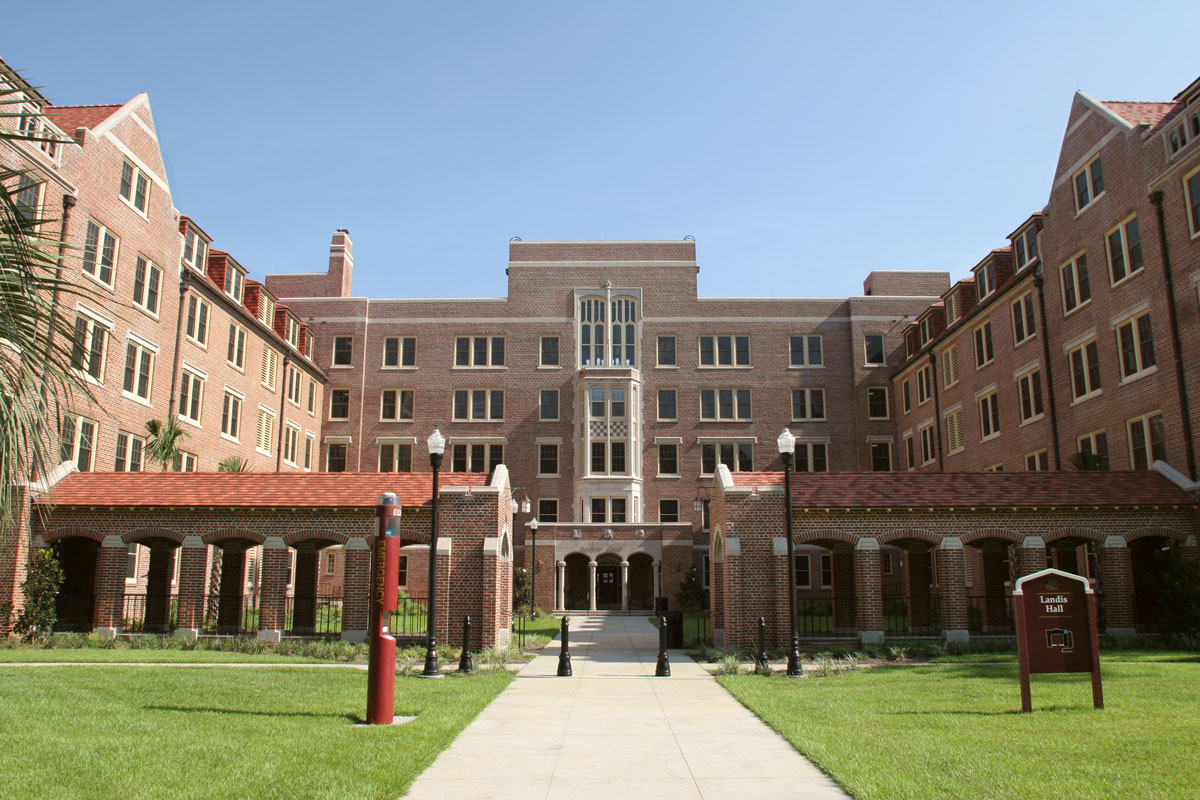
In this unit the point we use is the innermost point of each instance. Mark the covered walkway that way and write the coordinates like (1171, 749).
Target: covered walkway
(613, 730)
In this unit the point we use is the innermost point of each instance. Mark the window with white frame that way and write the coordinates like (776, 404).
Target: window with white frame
(609, 457)
(478, 405)
(910, 451)
(476, 456)
(1085, 370)
(1076, 286)
(952, 308)
(806, 351)
(881, 456)
(1038, 461)
(235, 353)
(608, 331)
(878, 406)
(339, 404)
(984, 352)
(906, 392)
(308, 451)
(266, 308)
(548, 351)
(547, 458)
(191, 395)
(924, 384)
(1191, 190)
(1089, 184)
(1124, 244)
(312, 396)
(38, 129)
(78, 442)
(135, 187)
(548, 405)
(955, 440)
(950, 366)
(231, 414)
(608, 509)
(479, 351)
(294, 382)
(291, 331)
(547, 509)
(235, 284)
(994, 468)
(928, 444)
(808, 404)
(395, 456)
(196, 327)
(803, 572)
(1025, 246)
(195, 250)
(336, 454)
(88, 348)
(1135, 343)
(139, 370)
(399, 351)
(396, 405)
(811, 457)
(668, 510)
(185, 462)
(738, 456)
(667, 408)
(130, 449)
(668, 458)
(343, 351)
(1024, 324)
(926, 328)
(27, 201)
(1029, 387)
(265, 433)
(100, 246)
(985, 279)
(1094, 444)
(291, 444)
(724, 351)
(147, 281)
(1147, 442)
(873, 354)
(270, 367)
(725, 404)
(666, 351)
(989, 415)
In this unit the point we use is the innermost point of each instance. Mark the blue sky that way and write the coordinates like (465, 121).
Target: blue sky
(802, 145)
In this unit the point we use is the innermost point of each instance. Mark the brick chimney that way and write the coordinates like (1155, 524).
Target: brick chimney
(341, 263)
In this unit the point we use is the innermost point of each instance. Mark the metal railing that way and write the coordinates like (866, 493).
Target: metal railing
(990, 615)
(133, 613)
(325, 612)
(895, 613)
(411, 619)
(815, 618)
(224, 619)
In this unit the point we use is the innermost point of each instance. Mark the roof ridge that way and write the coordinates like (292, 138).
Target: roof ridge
(88, 105)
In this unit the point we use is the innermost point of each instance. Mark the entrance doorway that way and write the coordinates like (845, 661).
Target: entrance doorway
(641, 582)
(576, 590)
(608, 583)
(77, 596)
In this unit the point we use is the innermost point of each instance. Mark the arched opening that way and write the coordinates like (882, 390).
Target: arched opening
(826, 600)
(577, 582)
(608, 582)
(76, 603)
(906, 579)
(311, 609)
(641, 582)
(1149, 557)
(990, 564)
(228, 609)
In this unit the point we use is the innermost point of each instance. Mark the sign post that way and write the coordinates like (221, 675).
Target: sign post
(385, 569)
(1056, 629)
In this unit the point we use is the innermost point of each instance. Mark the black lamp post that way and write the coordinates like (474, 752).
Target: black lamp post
(437, 446)
(787, 448)
(533, 526)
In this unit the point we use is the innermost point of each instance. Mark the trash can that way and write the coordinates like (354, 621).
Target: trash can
(660, 606)
(675, 629)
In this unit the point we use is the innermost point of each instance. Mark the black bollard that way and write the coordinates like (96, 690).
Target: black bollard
(564, 655)
(465, 664)
(761, 658)
(663, 668)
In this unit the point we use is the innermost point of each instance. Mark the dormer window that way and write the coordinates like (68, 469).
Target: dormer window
(908, 345)
(266, 309)
(235, 281)
(195, 250)
(952, 312)
(985, 280)
(1025, 247)
(1089, 184)
(292, 331)
(33, 125)
(926, 330)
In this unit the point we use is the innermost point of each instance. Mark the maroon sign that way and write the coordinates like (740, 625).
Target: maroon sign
(1056, 629)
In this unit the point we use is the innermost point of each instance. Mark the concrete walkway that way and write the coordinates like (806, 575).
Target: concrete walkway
(614, 731)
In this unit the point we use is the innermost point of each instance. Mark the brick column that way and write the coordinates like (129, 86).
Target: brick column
(14, 556)
(193, 574)
(1116, 581)
(737, 633)
(952, 583)
(779, 614)
(1190, 550)
(1031, 556)
(869, 595)
(304, 591)
(111, 565)
(920, 576)
(845, 610)
(232, 589)
(995, 573)
(272, 598)
(158, 586)
(449, 629)
(356, 589)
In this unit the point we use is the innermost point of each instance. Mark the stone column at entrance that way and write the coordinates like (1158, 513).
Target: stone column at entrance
(657, 568)
(920, 602)
(233, 579)
(869, 595)
(356, 589)
(276, 564)
(1116, 582)
(561, 590)
(193, 573)
(304, 592)
(591, 586)
(158, 587)
(1031, 556)
(952, 581)
(624, 585)
(111, 562)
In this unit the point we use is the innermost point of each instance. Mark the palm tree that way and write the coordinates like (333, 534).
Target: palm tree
(233, 464)
(1088, 461)
(163, 444)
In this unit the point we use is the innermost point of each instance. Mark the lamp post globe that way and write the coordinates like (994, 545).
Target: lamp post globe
(437, 447)
(787, 447)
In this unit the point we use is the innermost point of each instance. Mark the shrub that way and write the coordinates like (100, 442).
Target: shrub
(730, 664)
(36, 619)
(522, 585)
(692, 596)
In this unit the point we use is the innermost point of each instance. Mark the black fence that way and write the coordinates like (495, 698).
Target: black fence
(319, 616)
(230, 616)
(991, 615)
(411, 618)
(133, 615)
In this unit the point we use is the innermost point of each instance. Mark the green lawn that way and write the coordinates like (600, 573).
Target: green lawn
(1105, 655)
(955, 731)
(132, 732)
(144, 656)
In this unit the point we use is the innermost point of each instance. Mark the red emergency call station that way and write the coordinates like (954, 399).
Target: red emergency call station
(1056, 629)
(385, 573)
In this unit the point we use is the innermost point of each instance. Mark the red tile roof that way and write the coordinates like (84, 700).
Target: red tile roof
(249, 489)
(972, 489)
(68, 118)
(1139, 113)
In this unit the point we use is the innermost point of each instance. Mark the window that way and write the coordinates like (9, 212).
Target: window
(87, 351)
(476, 456)
(1023, 322)
(907, 397)
(808, 404)
(100, 253)
(291, 331)
(738, 456)
(952, 308)
(547, 458)
(308, 451)
(479, 405)
(725, 404)
(147, 279)
(1030, 388)
(886, 560)
(924, 384)
(547, 510)
(343, 351)
(668, 458)
(1135, 341)
(666, 351)
(617, 317)
(1026, 247)
(131, 562)
(402, 571)
(339, 404)
(1085, 370)
(1089, 184)
(910, 451)
(881, 456)
(812, 457)
(395, 457)
(984, 352)
(394, 404)
(184, 462)
(724, 351)
(954, 431)
(1124, 250)
(139, 369)
(294, 381)
(312, 396)
(335, 459)
(1076, 288)
(231, 415)
(330, 561)
(197, 320)
(877, 402)
(873, 347)
(270, 363)
(28, 201)
(548, 405)
(135, 187)
(666, 405)
(479, 351)
(1038, 461)
(926, 328)
(549, 351)
(291, 444)
(1147, 443)
(1094, 444)
(985, 279)
(950, 366)
(195, 251)
(191, 396)
(1191, 186)
(265, 433)
(235, 354)
(989, 415)
(608, 457)
(235, 283)
(668, 511)
(78, 442)
(39, 131)
(806, 351)
(928, 445)
(129, 452)
(803, 572)
(399, 351)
